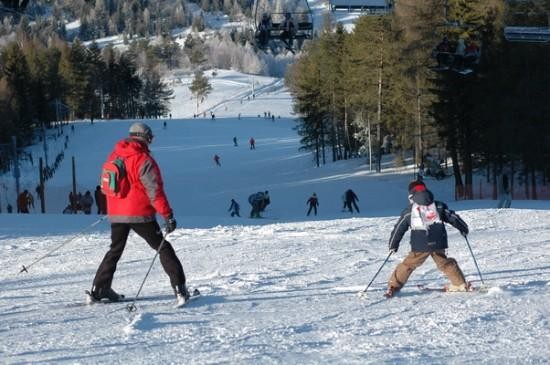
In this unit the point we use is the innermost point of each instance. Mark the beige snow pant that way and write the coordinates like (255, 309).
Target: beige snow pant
(445, 264)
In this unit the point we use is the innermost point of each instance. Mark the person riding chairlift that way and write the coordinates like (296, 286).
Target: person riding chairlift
(288, 30)
(443, 52)
(471, 54)
(265, 28)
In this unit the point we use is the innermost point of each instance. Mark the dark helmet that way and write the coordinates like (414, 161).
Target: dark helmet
(287, 15)
(141, 131)
(416, 185)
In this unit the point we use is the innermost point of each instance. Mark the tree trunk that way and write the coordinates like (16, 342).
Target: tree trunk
(459, 186)
(534, 195)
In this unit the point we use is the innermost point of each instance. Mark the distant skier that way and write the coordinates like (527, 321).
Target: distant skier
(24, 201)
(86, 202)
(505, 198)
(217, 160)
(252, 143)
(258, 201)
(313, 204)
(100, 201)
(234, 208)
(235, 144)
(350, 200)
(421, 172)
(426, 218)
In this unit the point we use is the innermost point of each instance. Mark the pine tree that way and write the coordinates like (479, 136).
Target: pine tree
(18, 80)
(200, 87)
(74, 70)
(311, 102)
(155, 95)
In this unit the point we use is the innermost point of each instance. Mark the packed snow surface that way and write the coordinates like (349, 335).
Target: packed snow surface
(277, 290)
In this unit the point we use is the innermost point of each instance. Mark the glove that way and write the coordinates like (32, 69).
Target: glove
(464, 233)
(393, 249)
(170, 224)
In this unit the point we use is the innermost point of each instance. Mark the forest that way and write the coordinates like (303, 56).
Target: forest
(352, 90)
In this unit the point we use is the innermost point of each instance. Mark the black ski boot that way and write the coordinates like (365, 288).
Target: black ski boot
(108, 294)
(182, 295)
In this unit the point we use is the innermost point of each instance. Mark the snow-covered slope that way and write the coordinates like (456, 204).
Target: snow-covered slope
(278, 290)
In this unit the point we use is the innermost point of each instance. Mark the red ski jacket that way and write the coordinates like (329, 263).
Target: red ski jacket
(146, 196)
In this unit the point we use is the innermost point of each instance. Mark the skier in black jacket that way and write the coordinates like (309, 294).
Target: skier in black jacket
(234, 208)
(350, 199)
(426, 218)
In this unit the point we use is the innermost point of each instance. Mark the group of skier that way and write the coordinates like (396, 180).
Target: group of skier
(145, 198)
(260, 200)
(84, 202)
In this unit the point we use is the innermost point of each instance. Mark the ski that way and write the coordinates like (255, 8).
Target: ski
(445, 289)
(91, 300)
(422, 287)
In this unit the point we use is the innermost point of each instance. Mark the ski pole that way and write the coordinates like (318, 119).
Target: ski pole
(475, 262)
(132, 306)
(25, 268)
(375, 275)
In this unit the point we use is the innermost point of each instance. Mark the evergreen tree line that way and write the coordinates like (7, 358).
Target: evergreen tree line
(102, 18)
(379, 79)
(40, 84)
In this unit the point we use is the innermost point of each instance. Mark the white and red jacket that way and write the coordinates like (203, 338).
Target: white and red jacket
(146, 196)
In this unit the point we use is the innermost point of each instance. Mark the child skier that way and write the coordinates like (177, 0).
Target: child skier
(313, 203)
(426, 218)
(234, 208)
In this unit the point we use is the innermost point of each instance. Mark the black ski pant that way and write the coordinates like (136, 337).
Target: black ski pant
(151, 233)
(314, 207)
(349, 204)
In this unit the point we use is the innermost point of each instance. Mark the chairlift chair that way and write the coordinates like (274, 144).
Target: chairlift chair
(270, 25)
(527, 34)
(458, 57)
(526, 23)
(462, 62)
(369, 7)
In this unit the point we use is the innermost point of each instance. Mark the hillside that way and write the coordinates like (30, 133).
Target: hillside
(277, 290)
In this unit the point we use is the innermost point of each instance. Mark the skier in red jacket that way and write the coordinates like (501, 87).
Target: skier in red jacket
(136, 211)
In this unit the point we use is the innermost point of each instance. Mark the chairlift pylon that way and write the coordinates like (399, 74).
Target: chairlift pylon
(279, 26)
